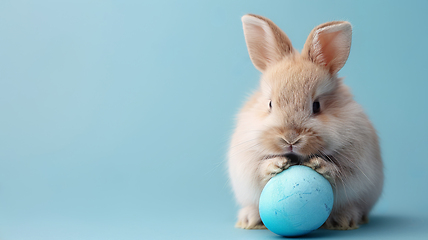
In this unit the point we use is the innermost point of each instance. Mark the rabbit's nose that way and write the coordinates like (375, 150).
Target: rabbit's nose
(292, 135)
(294, 140)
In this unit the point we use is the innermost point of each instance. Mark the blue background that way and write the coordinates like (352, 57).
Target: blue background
(115, 116)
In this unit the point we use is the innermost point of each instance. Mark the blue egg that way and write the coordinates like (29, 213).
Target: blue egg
(296, 201)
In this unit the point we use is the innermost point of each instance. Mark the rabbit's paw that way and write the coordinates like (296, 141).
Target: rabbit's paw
(326, 169)
(271, 167)
(343, 220)
(249, 218)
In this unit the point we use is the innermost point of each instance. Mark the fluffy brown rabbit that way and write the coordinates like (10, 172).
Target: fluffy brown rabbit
(302, 113)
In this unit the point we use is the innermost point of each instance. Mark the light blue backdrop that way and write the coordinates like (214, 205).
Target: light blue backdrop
(115, 116)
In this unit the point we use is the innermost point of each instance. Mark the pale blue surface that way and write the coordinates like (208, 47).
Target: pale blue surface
(296, 201)
(116, 115)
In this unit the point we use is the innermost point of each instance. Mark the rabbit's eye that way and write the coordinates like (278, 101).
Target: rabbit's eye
(270, 104)
(316, 108)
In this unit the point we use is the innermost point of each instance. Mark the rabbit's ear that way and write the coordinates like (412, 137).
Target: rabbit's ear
(266, 43)
(329, 45)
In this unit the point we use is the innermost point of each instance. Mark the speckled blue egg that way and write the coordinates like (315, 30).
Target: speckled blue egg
(296, 201)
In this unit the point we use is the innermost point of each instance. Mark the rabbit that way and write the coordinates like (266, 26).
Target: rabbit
(303, 114)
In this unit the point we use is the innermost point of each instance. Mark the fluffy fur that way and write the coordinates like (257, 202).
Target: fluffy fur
(278, 128)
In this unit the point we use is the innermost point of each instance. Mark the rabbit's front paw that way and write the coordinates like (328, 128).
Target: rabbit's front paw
(322, 167)
(273, 166)
(249, 218)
